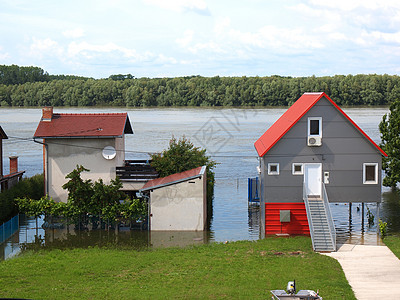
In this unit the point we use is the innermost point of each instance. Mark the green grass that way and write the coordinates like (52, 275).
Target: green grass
(238, 270)
(393, 242)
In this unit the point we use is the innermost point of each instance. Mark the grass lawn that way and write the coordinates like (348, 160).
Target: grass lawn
(393, 242)
(237, 270)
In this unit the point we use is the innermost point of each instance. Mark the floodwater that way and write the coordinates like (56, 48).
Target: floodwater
(228, 135)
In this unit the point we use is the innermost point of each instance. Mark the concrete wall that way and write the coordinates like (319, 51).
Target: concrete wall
(63, 155)
(180, 207)
(344, 150)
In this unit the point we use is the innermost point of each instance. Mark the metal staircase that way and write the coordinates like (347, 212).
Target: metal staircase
(322, 230)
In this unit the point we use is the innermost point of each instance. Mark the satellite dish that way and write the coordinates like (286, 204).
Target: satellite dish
(109, 152)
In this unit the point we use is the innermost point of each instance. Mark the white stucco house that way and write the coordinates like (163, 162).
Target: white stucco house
(95, 141)
(178, 202)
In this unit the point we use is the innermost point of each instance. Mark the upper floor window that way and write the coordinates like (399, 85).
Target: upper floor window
(315, 126)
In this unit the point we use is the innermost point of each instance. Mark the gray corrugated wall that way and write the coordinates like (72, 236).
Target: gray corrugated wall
(344, 150)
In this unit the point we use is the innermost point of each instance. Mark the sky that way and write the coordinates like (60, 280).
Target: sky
(169, 38)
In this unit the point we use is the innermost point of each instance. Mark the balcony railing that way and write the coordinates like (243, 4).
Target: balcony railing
(136, 170)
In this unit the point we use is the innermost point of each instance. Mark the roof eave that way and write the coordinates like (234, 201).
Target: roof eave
(3, 135)
(128, 127)
(379, 149)
(201, 173)
(294, 122)
(77, 137)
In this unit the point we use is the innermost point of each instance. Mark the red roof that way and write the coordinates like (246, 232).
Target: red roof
(84, 125)
(294, 114)
(174, 178)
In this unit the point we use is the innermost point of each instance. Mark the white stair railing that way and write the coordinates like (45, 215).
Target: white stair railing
(308, 211)
(332, 229)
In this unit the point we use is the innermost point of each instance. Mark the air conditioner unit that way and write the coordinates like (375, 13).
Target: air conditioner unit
(314, 141)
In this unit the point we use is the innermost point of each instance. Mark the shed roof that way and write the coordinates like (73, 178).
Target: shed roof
(3, 135)
(84, 125)
(174, 178)
(292, 116)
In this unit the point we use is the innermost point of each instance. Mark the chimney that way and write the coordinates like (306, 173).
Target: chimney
(47, 113)
(13, 164)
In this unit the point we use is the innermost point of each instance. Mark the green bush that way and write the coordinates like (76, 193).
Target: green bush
(32, 187)
(86, 199)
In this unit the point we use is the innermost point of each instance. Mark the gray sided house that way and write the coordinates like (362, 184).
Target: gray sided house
(95, 141)
(315, 149)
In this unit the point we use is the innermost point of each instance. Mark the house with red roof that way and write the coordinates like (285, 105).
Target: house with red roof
(178, 202)
(312, 155)
(95, 141)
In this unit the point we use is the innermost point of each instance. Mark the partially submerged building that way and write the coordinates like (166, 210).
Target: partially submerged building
(179, 201)
(312, 155)
(95, 141)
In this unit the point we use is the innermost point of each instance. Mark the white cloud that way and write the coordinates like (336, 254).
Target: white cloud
(221, 25)
(4, 55)
(74, 33)
(210, 46)
(280, 39)
(186, 39)
(161, 58)
(198, 6)
(377, 36)
(347, 5)
(44, 47)
(89, 50)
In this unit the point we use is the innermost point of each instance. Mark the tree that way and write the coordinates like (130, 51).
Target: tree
(182, 156)
(390, 136)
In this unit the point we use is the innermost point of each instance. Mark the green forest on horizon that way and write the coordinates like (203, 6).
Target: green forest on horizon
(32, 87)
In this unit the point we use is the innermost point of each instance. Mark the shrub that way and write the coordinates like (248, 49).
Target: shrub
(32, 187)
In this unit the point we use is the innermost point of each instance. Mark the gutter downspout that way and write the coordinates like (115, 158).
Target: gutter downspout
(45, 164)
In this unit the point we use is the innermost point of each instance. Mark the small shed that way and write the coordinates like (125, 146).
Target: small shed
(312, 155)
(178, 202)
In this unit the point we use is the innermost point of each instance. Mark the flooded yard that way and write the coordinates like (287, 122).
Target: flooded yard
(228, 135)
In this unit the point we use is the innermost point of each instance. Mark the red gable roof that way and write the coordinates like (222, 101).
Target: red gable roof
(174, 178)
(84, 125)
(294, 114)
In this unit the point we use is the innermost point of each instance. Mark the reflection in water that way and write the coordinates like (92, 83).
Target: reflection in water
(390, 211)
(31, 237)
(352, 228)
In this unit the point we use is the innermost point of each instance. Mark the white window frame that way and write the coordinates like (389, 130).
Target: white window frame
(270, 172)
(364, 173)
(294, 172)
(309, 127)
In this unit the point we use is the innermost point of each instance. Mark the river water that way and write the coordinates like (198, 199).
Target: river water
(228, 135)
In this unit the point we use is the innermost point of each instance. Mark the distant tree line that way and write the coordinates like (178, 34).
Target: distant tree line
(16, 75)
(126, 90)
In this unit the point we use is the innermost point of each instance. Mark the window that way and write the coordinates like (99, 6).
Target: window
(315, 126)
(273, 169)
(370, 173)
(297, 169)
